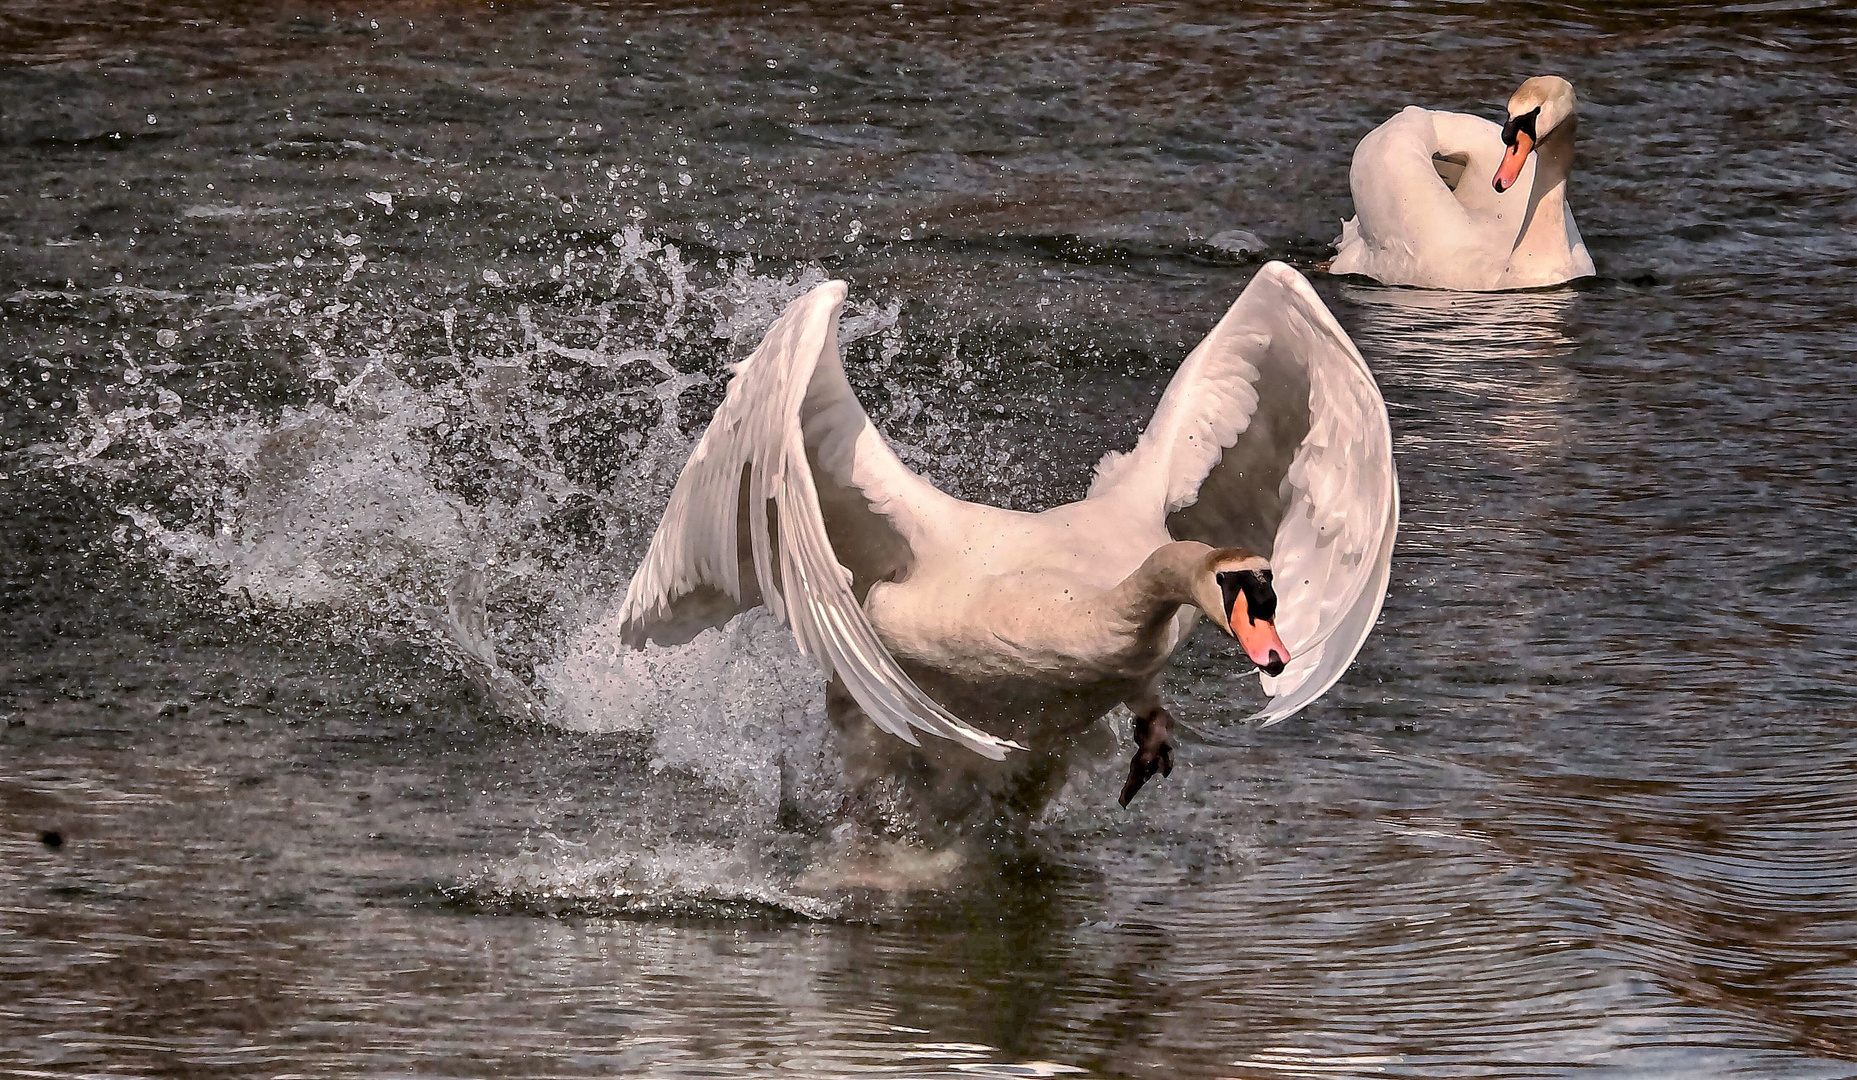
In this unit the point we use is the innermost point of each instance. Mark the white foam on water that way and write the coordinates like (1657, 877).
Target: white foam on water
(321, 505)
(737, 704)
(670, 878)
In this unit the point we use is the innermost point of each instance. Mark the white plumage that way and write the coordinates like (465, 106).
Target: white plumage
(1272, 438)
(1427, 212)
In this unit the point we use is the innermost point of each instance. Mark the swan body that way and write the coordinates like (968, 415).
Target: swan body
(1443, 200)
(1002, 631)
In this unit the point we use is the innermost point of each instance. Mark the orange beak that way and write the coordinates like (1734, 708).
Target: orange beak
(1513, 160)
(1263, 646)
(1260, 641)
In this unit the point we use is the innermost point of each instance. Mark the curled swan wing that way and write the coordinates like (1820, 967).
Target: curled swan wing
(792, 461)
(1273, 437)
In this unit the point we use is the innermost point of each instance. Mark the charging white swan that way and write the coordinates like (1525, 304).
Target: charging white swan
(1425, 215)
(1000, 630)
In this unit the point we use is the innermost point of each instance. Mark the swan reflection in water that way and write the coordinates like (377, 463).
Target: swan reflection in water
(1482, 398)
(1487, 358)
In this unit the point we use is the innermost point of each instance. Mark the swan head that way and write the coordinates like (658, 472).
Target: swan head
(1540, 105)
(1235, 593)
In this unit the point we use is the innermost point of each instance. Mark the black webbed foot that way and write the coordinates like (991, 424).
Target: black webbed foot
(1154, 751)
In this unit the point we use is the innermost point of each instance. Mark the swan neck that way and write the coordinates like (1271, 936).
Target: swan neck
(1554, 156)
(1544, 230)
(1149, 598)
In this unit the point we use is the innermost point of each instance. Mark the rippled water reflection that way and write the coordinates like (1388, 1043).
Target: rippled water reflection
(347, 358)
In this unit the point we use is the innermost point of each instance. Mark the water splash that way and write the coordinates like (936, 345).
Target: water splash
(738, 704)
(666, 879)
(477, 476)
(472, 467)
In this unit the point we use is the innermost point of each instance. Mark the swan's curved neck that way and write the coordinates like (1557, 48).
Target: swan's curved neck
(1147, 600)
(1544, 226)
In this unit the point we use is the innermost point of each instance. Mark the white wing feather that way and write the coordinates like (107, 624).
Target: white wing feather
(1334, 549)
(1334, 504)
(758, 431)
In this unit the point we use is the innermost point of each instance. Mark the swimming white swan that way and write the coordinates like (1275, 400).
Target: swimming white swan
(1269, 455)
(1426, 216)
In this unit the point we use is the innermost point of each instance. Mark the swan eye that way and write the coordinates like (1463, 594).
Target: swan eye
(1524, 123)
(1260, 599)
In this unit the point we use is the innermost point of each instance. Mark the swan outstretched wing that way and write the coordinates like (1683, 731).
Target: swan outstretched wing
(792, 499)
(1273, 437)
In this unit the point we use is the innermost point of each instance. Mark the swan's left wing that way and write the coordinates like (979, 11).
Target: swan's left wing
(791, 499)
(1273, 437)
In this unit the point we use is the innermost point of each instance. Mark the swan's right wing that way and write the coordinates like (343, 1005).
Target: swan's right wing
(791, 499)
(1273, 437)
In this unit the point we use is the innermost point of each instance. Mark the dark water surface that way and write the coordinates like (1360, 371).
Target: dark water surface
(346, 357)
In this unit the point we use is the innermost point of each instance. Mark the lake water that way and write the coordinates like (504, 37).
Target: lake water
(347, 356)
